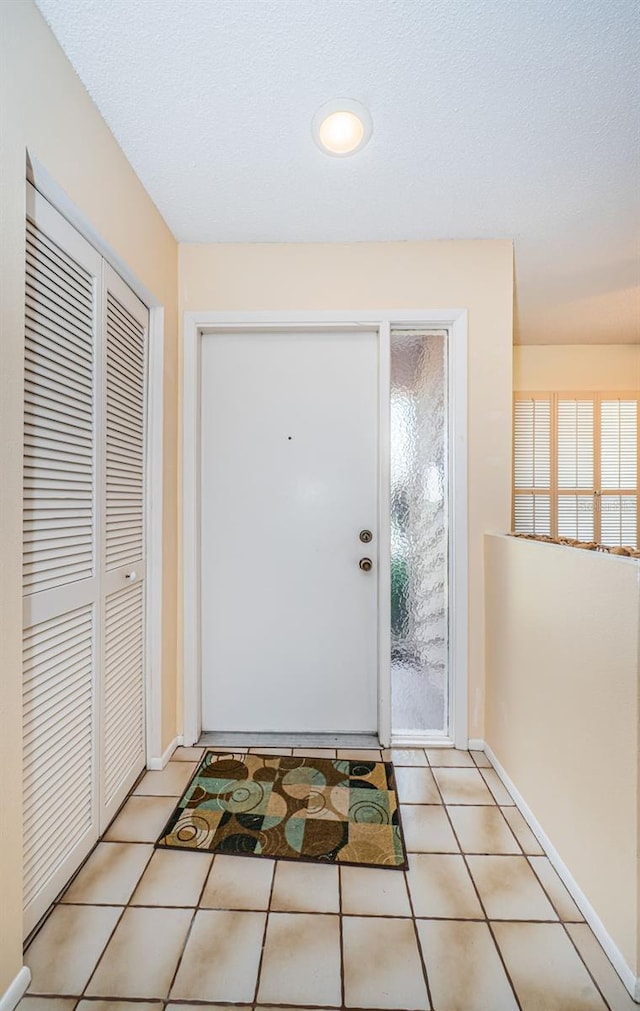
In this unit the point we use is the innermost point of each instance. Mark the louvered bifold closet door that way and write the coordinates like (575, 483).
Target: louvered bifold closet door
(60, 565)
(123, 701)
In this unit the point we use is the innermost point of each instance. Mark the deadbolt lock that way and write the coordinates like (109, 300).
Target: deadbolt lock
(365, 564)
(366, 536)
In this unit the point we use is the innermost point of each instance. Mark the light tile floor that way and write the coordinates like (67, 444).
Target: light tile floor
(479, 922)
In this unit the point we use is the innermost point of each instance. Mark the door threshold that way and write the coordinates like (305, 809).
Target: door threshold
(221, 739)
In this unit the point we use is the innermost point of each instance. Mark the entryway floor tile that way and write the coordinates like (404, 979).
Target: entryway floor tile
(416, 786)
(600, 968)
(141, 819)
(497, 787)
(407, 756)
(368, 891)
(464, 968)
(509, 889)
(142, 956)
(440, 886)
(235, 885)
(301, 962)
(547, 973)
(553, 886)
(449, 758)
(521, 831)
(110, 874)
(187, 754)
(482, 830)
(427, 829)
(305, 888)
(172, 878)
(221, 959)
(382, 965)
(119, 1005)
(170, 782)
(462, 786)
(480, 920)
(47, 1004)
(66, 950)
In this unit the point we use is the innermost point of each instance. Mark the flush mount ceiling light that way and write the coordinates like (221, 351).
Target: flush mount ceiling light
(341, 127)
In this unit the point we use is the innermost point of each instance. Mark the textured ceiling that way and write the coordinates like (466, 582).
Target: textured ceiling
(492, 119)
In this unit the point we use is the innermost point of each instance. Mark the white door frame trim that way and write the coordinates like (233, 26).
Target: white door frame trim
(154, 462)
(455, 321)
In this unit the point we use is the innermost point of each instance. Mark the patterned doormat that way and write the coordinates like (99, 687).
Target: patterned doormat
(317, 809)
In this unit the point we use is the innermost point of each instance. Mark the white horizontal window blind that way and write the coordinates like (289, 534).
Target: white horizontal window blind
(575, 466)
(574, 513)
(532, 464)
(619, 470)
(575, 443)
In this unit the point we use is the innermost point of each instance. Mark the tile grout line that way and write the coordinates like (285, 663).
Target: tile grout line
(595, 982)
(482, 906)
(343, 996)
(107, 943)
(264, 933)
(188, 933)
(421, 956)
(116, 925)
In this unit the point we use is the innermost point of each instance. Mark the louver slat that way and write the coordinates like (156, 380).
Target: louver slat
(58, 432)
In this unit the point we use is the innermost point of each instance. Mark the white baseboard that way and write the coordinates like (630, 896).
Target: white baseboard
(16, 991)
(157, 764)
(476, 744)
(626, 974)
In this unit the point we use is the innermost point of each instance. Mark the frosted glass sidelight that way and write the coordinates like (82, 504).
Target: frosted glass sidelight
(419, 531)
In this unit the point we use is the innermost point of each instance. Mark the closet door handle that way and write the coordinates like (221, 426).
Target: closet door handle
(131, 576)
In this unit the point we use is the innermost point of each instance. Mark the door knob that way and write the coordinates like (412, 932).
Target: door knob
(366, 536)
(131, 576)
(365, 564)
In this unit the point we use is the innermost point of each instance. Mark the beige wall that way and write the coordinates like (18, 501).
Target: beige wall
(568, 367)
(397, 275)
(45, 108)
(562, 708)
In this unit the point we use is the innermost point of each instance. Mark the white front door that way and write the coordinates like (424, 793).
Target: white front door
(288, 482)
